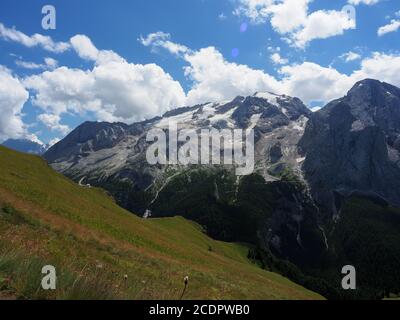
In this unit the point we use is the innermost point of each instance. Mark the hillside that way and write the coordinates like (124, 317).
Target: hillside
(103, 251)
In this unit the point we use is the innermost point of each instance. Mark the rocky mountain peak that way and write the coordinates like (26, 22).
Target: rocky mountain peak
(371, 88)
(353, 144)
(88, 137)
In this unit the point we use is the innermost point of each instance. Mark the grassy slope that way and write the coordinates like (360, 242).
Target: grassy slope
(48, 219)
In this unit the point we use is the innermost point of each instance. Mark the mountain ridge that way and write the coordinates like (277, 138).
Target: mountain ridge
(308, 168)
(26, 145)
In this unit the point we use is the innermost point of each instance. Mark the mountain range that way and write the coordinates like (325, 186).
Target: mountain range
(317, 176)
(26, 145)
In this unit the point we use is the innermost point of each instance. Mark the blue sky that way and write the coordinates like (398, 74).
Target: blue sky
(137, 59)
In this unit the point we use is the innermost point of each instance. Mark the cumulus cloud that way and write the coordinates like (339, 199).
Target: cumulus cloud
(12, 98)
(214, 78)
(84, 47)
(49, 64)
(393, 26)
(113, 90)
(36, 40)
(255, 10)
(350, 56)
(162, 40)
(381, 66)
(292, 19)
(52, 122)
(312, 82)
(288, 15)
(34, 138)
(321, 25)
(277, 59)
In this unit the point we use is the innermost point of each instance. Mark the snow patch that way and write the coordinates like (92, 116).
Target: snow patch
(254, 120)
(270, 97)
(179, 119)
(227, 116)
(299, 160)
(357, 126)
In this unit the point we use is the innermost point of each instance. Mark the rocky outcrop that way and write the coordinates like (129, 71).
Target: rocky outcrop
(353, 145)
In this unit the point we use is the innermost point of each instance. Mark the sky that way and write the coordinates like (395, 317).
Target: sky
(126, 61)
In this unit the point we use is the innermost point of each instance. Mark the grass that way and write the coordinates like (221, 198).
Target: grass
(101, 251)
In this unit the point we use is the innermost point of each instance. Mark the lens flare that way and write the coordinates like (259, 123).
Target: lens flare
(235, 52)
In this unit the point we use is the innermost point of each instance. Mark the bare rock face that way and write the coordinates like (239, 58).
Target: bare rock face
(87, 138)
(352, 145)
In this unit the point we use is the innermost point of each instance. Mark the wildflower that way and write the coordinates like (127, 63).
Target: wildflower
(186, 281)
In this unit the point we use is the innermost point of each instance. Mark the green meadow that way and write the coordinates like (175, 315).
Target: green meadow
(102, 251)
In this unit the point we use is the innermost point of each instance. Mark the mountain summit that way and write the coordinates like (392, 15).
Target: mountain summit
(353, 145)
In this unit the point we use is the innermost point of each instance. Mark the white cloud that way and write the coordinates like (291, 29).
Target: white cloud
(84, 47)
(367, 2)
(292, 19)
(162, 40)
(393, 26)
(215, 79)
(321, 25)
(36, 40)
(288, 15)
(256, 10)
(12, 98)
(33, 137)
(350, 56)
(312, 82)
(381, 66)
(29, 65)
(222, 16)
(49, 64)
(52, 122)
(277, 59)
(114, 90)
